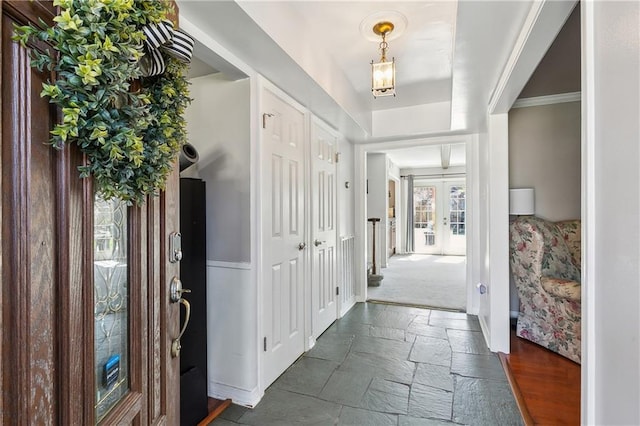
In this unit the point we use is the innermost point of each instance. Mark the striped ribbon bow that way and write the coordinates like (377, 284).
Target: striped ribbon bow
(163, 37)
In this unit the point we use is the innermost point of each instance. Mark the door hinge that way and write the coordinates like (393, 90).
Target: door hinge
(337, 291)
(337, 157)
(264, 119)
(265, 344)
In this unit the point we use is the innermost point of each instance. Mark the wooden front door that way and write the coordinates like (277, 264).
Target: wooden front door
(87, 323)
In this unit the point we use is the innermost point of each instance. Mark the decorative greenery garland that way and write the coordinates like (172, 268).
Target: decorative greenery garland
(130, 138)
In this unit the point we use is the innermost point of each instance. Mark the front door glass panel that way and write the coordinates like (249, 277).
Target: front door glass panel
(111, 304)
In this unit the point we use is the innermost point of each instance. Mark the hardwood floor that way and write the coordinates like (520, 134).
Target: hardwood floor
(216, 407)
(545, 384)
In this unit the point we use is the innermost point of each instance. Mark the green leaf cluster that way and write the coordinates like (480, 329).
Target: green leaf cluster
(130, 138)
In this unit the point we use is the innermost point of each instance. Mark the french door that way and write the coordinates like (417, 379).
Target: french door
(87, 322)
(440, 217)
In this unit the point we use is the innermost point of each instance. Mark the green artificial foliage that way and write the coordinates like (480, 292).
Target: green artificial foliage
(130, 137)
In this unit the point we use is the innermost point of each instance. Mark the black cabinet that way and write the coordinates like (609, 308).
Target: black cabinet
(193, 273)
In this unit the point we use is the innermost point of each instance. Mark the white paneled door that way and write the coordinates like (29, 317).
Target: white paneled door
(282, 189)
(323, 228)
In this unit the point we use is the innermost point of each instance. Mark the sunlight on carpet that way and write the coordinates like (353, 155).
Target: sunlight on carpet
(427, 280)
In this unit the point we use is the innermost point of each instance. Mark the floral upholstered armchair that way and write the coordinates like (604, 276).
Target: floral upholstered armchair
(545, 264)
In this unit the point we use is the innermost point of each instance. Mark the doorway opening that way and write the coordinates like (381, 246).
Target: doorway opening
(424, 227)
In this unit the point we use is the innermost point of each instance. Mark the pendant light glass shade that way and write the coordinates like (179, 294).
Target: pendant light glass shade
(383, 78)
(383, 72)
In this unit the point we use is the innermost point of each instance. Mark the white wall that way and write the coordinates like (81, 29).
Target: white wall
(413, 120)
(611, 213)
(377, 205)
(218, 126)
(232, 360)
(544, 154)
(393, 171)
(346, 197)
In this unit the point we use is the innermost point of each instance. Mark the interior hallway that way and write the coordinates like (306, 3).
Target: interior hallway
(389, 365)
(425, 280)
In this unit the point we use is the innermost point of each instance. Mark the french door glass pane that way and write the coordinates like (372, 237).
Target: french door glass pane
(111, 304)
(424, 202)
(457, 210)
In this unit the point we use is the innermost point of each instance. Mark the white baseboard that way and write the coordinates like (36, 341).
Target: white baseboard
(311, 342)
(246, 398)
(346, 308)
(485, 331)
(229, 265)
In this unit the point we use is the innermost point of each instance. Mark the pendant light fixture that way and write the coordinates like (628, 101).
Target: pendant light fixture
(383, 72)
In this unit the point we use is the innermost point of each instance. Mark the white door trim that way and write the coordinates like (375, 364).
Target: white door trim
(542, 24)
(589, 376)
(360, 178)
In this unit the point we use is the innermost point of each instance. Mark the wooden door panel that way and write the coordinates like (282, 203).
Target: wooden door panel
(168, 382)
(30, 266)
(47, 271)
(155, 344)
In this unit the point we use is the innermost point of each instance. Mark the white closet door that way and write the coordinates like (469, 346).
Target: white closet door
(323, 228)
(282, 189)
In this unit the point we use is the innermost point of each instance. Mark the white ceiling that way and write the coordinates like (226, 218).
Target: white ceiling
(449, 57)
(426, 156)
(423, 50)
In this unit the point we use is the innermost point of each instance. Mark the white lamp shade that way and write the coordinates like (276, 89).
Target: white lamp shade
(522, 201)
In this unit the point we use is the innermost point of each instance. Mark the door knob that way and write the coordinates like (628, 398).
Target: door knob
(301, 246)
(175, 344)
(176, 291)
(175, 295)
(317, 243)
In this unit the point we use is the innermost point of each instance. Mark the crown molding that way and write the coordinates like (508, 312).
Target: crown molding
(547, 100)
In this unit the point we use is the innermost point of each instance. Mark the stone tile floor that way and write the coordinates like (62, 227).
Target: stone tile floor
(389, 365)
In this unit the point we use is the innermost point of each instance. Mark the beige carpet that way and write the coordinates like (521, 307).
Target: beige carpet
(426, 280)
